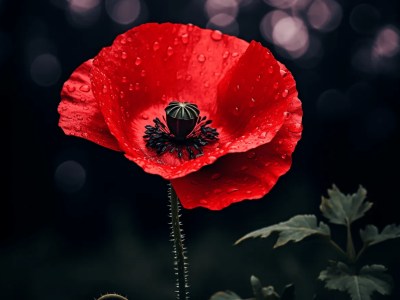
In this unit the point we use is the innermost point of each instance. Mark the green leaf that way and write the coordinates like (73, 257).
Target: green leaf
(227, 295)
(295, 229)
(338, 276)
(343, 209)
(262, 293)
(371, 236)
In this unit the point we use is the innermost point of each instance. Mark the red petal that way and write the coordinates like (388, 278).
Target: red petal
(79, 111)
(248, 175)
(151, 65)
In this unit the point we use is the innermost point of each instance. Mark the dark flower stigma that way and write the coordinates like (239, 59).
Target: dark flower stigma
(183, 130)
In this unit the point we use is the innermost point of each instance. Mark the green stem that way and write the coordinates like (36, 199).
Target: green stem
(351, 253)
(361, 251)
(110, 296)
(180, 259)
(337, 247)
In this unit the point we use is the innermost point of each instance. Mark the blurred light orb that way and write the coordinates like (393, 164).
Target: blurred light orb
(387, 43)
(225, 23)
(70, 176)
(83, 13)
(45, 70)
(324, 15)
(123, 12)
(269, 21)
(82, 6)
(290, 34)
(364, 18)
(226, 7)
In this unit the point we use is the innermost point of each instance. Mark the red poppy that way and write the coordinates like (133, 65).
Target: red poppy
(119, 100)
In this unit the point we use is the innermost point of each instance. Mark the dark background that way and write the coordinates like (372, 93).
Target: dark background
(78, 220)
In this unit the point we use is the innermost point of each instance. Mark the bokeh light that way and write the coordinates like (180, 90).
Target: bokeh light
(226, 7)
(70, 176)
(45, 70)
(123, 12)
(324, 15)
(83, 13)
(387, 43)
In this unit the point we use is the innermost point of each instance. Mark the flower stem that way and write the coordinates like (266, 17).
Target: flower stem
(351, 252)
(180, 259)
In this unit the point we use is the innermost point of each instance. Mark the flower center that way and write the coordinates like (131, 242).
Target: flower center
(183, 130)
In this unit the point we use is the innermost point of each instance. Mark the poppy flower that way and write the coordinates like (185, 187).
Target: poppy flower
(217, 116)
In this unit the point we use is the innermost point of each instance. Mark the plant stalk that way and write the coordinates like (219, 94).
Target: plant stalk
(180, 259)
(351, 253)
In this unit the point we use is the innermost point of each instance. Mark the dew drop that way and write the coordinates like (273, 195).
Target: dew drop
(124, 79)
(252, 102)
(231, 190)
(270, 69)
(285, 92)
(216, 35)
(185, 38)
(70, 88)
(124, 55)
(156, 46)
(137, 86)
(295, 128)
(176, 41)
(235, 54)
(84, 88)
(203, 201)
(122, 94)
(225, 54)
(131, 86)
(145, 117)
(215, 176)
(188, 77)
(283, 73)
(201, 58)
(263, 135)
(123, 41)
(276, 85)
(251, 154)
(170, 51)
(138, 61)
(284, 156)
(248, 192)
(206, 84)
(143, 73)
(190, 27)
(236, 110)
(286, 114)
(104, 89)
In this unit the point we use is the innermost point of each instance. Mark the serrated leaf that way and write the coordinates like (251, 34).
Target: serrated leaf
(343, 209)
(338, 276)
(295, 229)
(227, 295)
(371, 236)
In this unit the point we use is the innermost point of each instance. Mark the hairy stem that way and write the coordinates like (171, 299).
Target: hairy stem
(112, 296)
(180, 259)
(351, 253)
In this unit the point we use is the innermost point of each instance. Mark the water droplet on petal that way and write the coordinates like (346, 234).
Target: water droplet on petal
(217, 191)
(201, 58)
(270, 69)
(137, 86)
(215, 176)
(145, 117)
(104, 89)
(84, 88)
(123, 41)
(251, 154)
(283, 73)
(234, 54)
(185, 38)
(131, 86)
(263, 135)
(231, 190)
(248, 192)
(70, 88)
(124, 79)
(276, 85)
(286, 114)
(284, 156)
(143, 73)
(252, 102)
(122, 94)
(188, 77)
(225, 55)
(190, 27)
(138, 61)
(236, 110)
(170, 51)
(285, 92)
(156, 46)
(124, 55)
(216, 35)
(203, 201)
